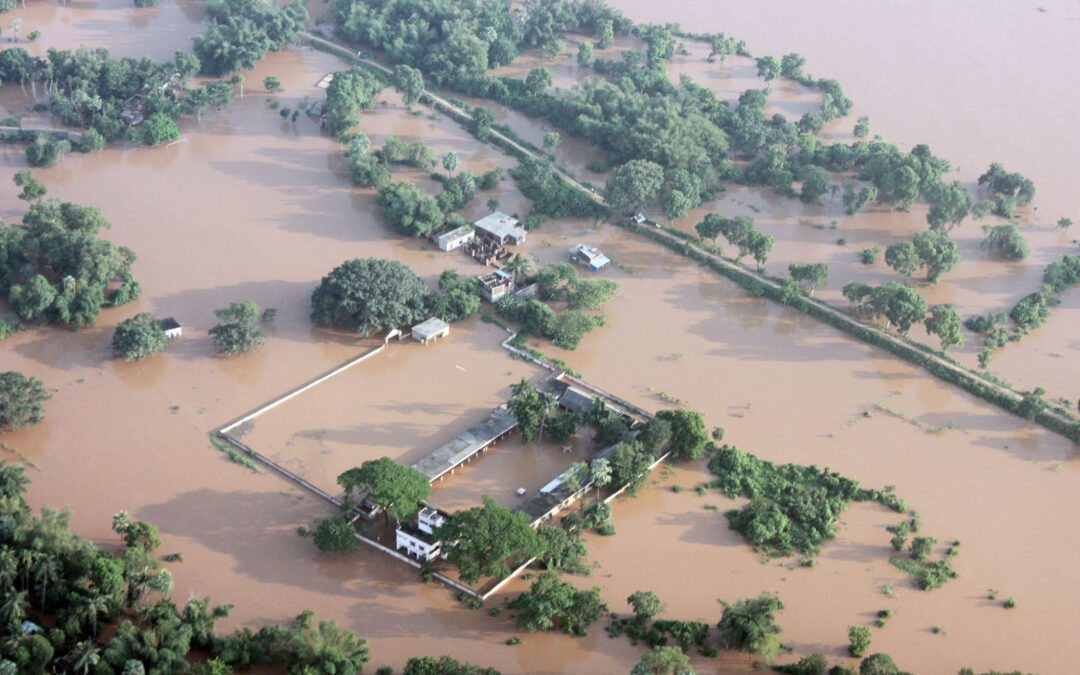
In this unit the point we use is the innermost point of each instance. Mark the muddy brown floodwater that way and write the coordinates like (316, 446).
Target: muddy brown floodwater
(250, 207)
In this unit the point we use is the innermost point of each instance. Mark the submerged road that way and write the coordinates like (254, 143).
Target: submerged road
(843, 318)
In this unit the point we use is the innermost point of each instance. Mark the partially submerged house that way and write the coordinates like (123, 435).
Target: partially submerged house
(172, 328)
(456, 238)
(495, 285)
(419, 539)
(588, 256)
(430, 329)
(500, 228)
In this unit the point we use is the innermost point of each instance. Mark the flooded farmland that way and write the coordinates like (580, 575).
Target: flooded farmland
(250, 207)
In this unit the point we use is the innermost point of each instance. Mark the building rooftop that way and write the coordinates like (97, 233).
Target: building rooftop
(456, 233)
(496, 278)
(432, 327)
(169, 323)
(468, 443)
(576, 400)
(500, 225)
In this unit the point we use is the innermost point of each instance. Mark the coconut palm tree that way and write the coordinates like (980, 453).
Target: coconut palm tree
(519, 266)
(46, 571)
(87, 655)
(88, 609)
(13, 610)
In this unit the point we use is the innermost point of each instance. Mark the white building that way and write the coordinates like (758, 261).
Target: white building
(429, 330)
(456, 238)
(419, 539)
(171, 327)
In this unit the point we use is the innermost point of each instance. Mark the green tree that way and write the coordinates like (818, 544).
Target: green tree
(46, 150)
(711, 227)
(551, 603)
(398, 489)
(899, 304)
(688, 434)
(858, 640)
(481, 541)
(1007, 240)
(949, 205)
(272, 84)
(551, 141)
(645, 604)
(13, 482)
(22, 401)
(239, 331)
(750, 625)
(662, 660)
(791, 66)
(480, 124)
(634, 185)
(451, 162)
(410, 82)
(902, 257)
(737, 233)
(585, 54)
(538, 80)
(530, 408)
(815, 183)
(810, 275)
(407, 211)
(600, 471)
(937, 253)
(944, 321)
(759, 245)
(879, 664)
(334, 534)
(862, 127)
(768, 67)
(921, 547)
(32, 188)
(348, 93)
(368, 295)
(160, 128)
(444, 665)
(92, 141)
(138, 337)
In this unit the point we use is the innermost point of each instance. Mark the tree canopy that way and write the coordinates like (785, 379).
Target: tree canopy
(22, 400)
(366, 295)
(750, 625)
(688, 434)
(481, 541)
(138, 337)
(239, 331)
(550, 603)
(398, 489)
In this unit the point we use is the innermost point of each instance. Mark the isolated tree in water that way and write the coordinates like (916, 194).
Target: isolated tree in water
(239, 331)
(138, 337)
(22, 401)
(368, 295)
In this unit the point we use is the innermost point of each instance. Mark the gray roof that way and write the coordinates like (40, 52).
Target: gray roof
(576, 400)
(168, 323)
(500, 225)
(432, 326)
(454, 234)
(466, 444)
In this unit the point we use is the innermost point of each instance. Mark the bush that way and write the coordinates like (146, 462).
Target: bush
(858, 640)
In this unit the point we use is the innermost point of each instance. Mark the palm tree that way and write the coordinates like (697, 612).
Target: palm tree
(13, 610)
(13, 480)
(87, 655)
(519, 266)
(89, 607)
(547, 408)
(601, 474)
(9, 570)
(47, 570)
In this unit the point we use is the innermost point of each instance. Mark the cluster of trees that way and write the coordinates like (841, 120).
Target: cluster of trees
(350, 92)
(904, 306)
(48, 571)
(368, 295)
(242, 31)
(739, 233)
(875, 664)
(1008, 190)
(55, 269)
(240, 330)
(931, 249)
(928, 574)
(551, 195)
(551, 604)
(455, 43)
(559, 282)
(398, 489)
(22, 401)
(1007, 240)
(138, 337)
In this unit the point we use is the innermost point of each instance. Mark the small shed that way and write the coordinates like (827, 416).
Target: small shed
(456, 238)
(429, 330)
(495, 285)
(172, 328)
(591, 257)
(639, 217)
(500, 228)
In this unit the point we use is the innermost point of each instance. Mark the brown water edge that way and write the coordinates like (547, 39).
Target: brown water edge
(939, 93)
(264, 182)
(117, 25)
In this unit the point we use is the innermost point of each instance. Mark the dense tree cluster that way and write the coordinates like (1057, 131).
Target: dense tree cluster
(560, 282)
(739, 233)
(138, 337)
(369, 295)
(240, 330)
(398, 489)
(1009, 190)
(55, 269)
(485, 541)
(551, 604)
(242, 31)
(349, 92)
(900, 304)
(22, 401)
(931, 249)
(750, 625)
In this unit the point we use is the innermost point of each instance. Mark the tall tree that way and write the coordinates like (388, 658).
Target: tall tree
(138, 337)
(634, 185)
(750, 625)
(810, 275)
(239, 331)
(937, 253)
(481, 541)
(398, 489)
(410, 82)
(368, 295)
(688, 434)
(944, 321)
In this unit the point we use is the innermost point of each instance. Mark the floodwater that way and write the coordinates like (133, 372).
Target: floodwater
(250, 207)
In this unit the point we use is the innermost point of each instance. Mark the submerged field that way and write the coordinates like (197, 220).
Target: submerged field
(251, 207)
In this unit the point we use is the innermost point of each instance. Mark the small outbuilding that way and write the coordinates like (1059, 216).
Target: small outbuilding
(583, 254)
(429, 330)
(495, 285)
(500, 228)
(456, 238)
(172, 328)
